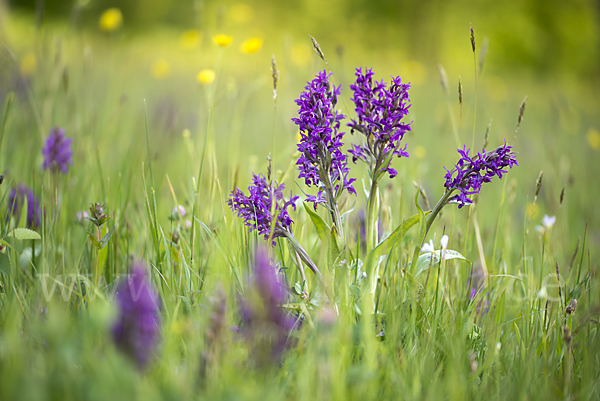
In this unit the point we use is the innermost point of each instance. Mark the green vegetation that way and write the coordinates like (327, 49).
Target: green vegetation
(164, 113)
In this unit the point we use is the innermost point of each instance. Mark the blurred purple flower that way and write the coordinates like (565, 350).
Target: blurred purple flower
(16, 199)
(264, 323)
(472, 171)
(321, 162)
(57, 151)
(477, 287)
(264, 205)
(136, 331)
(380, 110)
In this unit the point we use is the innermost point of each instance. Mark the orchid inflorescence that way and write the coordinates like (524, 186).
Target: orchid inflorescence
(380, 111)
(322, 162)
(263, 207)
(472, 171)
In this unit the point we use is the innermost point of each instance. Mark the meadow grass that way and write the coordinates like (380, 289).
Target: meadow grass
(493, 326)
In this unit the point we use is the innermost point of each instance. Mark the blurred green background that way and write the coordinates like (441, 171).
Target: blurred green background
(94, 83)
(528, 37)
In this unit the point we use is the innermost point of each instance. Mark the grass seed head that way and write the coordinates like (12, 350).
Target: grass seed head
(521, 112)
(487, 133)
(443, 79)
(318, 48)
(472, 38)
(538, 184)
(570, 309)
(275, 74)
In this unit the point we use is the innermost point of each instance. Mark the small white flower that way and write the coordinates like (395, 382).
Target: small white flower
(428, 247)
(444, 242)
(548, 221)
(542, 294)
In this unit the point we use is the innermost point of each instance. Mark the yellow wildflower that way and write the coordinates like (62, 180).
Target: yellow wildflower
(593, 138)
(111, 20)
(190, 39)
(222, 40)
(206, 77)
(252, 45)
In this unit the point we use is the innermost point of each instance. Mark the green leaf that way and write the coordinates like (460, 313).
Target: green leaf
(345, 215)
(23, 233)
(423, 230)
(334, 246)
(384, 246)
(398, 234)
(13, 243)
(94, 240)
(4, 264)
(106, 237)
(425, 260)
(322, 228)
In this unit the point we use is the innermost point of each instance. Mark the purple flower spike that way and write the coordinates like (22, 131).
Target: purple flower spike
(321, 162)
(136, 332)
(380, 111)
(57, 151)
(264, 205)
(472, 171)
(16, 199)
(264, 323)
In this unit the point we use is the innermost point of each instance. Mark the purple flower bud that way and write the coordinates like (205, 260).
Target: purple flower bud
(57, 151)
(264, 205)
(380, 110)
(16, 198)
(472, 171)
(136, 331)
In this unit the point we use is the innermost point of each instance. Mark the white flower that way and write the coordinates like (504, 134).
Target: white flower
(444, 242)
(548, 221)
(542, 294)
(428, 247)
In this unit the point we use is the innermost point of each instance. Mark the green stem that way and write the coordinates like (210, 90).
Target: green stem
(370, 217)
(303, 255)
(437, 209)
